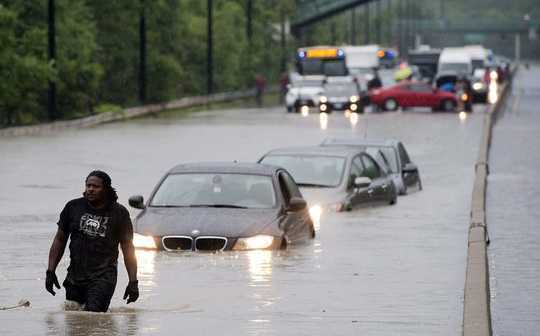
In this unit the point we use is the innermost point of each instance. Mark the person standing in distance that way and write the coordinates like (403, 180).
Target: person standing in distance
(95, 224)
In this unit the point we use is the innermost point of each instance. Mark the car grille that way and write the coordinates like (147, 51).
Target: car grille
(210, 243)
(177, 243)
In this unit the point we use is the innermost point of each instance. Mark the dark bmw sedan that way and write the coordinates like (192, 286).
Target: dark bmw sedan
(222, 206)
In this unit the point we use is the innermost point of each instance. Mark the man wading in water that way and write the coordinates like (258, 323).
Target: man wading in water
(96, 224)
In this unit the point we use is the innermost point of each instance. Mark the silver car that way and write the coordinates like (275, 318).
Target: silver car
(403, 171)
(335, 178)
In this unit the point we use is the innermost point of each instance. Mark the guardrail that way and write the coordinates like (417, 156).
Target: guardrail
(476, 306)
(129, 113)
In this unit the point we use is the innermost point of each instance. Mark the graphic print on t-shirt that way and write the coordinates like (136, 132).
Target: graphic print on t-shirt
(94, 225)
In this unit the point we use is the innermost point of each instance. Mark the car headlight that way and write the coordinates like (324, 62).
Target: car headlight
(323, 99)
(315, 212)
(354, 99)
(254, 243)
(478, 86)
(141, 241)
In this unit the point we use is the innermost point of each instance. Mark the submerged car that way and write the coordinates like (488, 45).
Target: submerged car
(412, 94)
(222, 206)
(402, 170)
(335, 178)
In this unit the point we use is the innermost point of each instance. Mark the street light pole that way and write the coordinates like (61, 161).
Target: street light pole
(142, 54)
(51, 102)
(366, 20)
(209, 56)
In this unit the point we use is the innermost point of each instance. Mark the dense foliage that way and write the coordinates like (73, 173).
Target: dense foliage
(97, 52)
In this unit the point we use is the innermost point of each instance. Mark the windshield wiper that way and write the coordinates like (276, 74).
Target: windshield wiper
(314, 185)
(217, 206)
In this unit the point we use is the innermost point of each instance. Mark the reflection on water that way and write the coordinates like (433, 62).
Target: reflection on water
(462, 116)
(90, 324)
(260, 266)
(304, 110)
(145, 261)
(493, 93)
(323, 119)
(315, 213)
(347, 114)
(353, 119)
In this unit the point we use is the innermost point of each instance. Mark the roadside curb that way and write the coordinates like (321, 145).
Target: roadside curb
(128, 113)
(476, 305)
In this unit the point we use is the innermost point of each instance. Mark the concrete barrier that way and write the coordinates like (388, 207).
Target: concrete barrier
(476, 305)
(129, 113)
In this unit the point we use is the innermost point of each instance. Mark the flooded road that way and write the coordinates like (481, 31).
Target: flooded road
(513, 199)
(380, 271)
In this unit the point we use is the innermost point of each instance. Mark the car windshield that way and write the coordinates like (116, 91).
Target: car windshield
(308, 83)
(340, 89)
(215, 190)
(314, 171)
(462, 68)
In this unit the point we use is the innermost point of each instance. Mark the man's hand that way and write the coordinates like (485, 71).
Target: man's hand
(51, 280)
(132, 291)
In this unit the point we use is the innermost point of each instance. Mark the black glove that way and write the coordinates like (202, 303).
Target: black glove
(132, 291)
(51, 280)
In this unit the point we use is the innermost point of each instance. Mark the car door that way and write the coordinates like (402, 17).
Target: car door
(357, 196)
(410, 179)
(405, 96)
(297, 225)
(423, 95)
(378, 190)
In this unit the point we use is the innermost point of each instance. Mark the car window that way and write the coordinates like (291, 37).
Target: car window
(292, 188)
(356, 170)
(420, 88)
(199, 189)
(310, 170)
(390, 156)
(403, 154)
(371, 169)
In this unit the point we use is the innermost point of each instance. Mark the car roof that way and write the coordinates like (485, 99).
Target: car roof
(225, 167)
(343, 151)
(331, 141)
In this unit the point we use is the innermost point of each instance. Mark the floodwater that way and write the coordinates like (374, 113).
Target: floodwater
(390, 270)
(513, 203)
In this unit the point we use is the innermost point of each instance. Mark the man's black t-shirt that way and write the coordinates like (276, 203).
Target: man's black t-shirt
(95, 235)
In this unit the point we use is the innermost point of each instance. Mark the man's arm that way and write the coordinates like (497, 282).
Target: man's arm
(57, 249)
(132, 289)
(128, 250)
(55, 254)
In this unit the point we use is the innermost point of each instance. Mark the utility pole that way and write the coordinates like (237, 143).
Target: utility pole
(209, 55)
(407, 27)
(249, 21)
(378, 21)
(283, 43)
(142, 53)
(366, 21)
(400, 27)
(353, 26)
(51, 102)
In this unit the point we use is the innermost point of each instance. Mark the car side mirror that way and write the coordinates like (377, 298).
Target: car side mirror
(362, 182)
(410, 168)
(136, 202)
(296, 204)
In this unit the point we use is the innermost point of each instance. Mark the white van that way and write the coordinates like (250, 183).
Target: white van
(457, 60)
(479, 56)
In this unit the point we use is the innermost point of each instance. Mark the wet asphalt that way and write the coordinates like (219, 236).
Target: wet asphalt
(513, 206)
(389, 270)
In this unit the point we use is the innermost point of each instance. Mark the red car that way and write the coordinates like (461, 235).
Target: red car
(412, 94)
